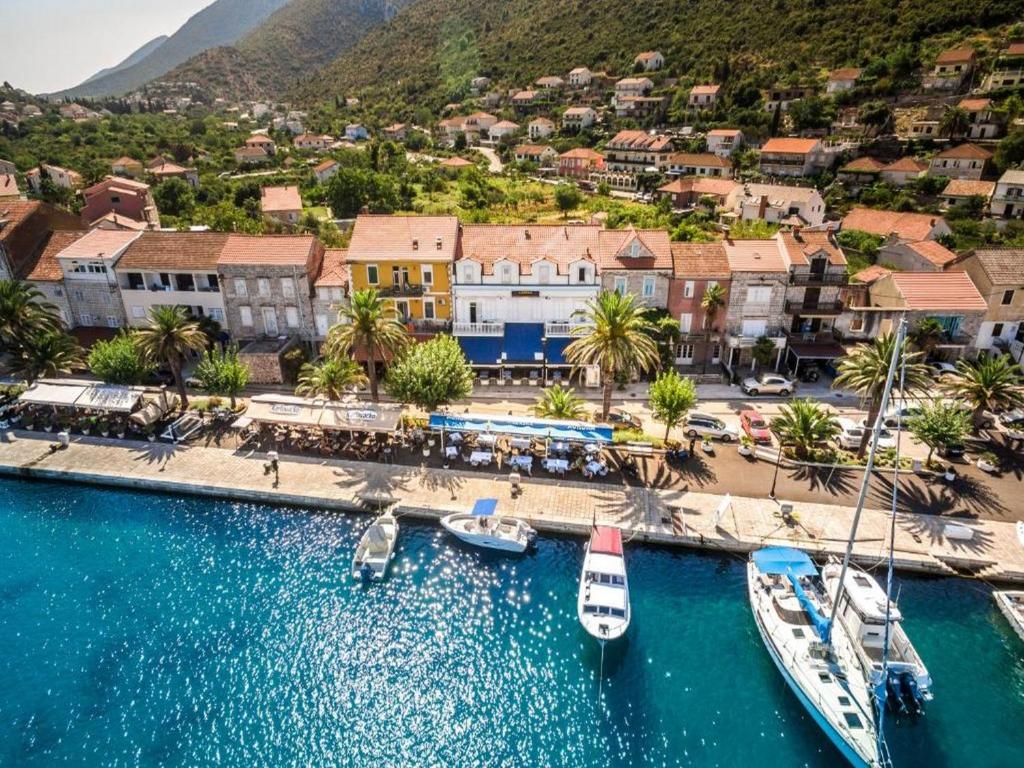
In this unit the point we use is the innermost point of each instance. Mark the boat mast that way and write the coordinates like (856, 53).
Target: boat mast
(876, 432)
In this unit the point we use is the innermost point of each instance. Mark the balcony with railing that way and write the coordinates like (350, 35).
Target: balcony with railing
(478, 329)
(818, 278)
(430, 325)
(562, 328)
(814, 307)
(402, 290)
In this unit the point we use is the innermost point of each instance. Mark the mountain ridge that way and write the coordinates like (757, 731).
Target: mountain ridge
(135, 57)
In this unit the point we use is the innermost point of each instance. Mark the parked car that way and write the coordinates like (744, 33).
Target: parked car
(702, 425)
(756, 426)
(1011, 424)
(941, 370)
(768, 384)
(850, 434)
(952, 450)
(621, 419)
(900, 415)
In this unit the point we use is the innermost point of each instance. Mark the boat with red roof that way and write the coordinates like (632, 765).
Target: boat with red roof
(603, 603)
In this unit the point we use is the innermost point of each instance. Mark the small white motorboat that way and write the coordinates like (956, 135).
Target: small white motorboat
(482, 528)
(1011, 603)
(603, 601)
(375, 549)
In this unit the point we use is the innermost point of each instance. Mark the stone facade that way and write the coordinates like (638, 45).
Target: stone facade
(650, 287)
(94, 303)
(264, 300)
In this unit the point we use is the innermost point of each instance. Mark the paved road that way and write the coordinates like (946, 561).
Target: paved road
(494, 162)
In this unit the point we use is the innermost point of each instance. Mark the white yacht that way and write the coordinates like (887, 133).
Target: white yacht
(815, 657)
(482, 528)
(603, 602)
(1012, 605)
(862, 610)
(375, 549)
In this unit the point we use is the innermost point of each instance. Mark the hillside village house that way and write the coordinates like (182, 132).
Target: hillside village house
(120, 197)
(395, 132)
(967, 161)
(780, 98)
(775, 204)
(580, 162)
(862, 171)
(408, 259)
(578, 118)
(540, 154)
(262, 141)
(89, 280)
(792, 157)
(907, 227)
(126, 166)
(690, 192)
(479, 83)
(251, 156)
(516, 291)
(330, 291)
(638, 262)
(916, 255)
(640, 107)
(635, 151)
(633, 86)
(167, 170)
(267, 284)
(9, 187)
(478, 124)
(43, 272)
(701, 164)
(695, 268)
(540, 128)
(724, 141)
(524, 101)
(984, 122)
(59, 177)
(1008, 71)
(356, 132)
(325, 170)
(904, 171)
(960, 191)
(1008, 198)
(704, 96)
(171, 269)
(842, 79)
(650, 61)
(503, 128)
(998, 275)
(283, 204)
(312, 141)
(580, 77)
(549, 82)
(951, 70)
(25, 228)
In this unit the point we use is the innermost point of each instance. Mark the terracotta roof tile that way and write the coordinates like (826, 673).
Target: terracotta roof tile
(907, 226)
(278, 250)
(789, 146)
(969, 188)
(582, 153)
(863, 165)
(403, 238)
(955, 56)
(699, 185)
(907, 165)
(1004, 266)
(938, 291)
(975, 105)
(44, 267)
(966, 152)
(99, 244)
(615, 246)
(524, 244)
(280, 199)
(755, 256)
(731, 132)
(334, 269)
(933, 251)
(846, 73)
(705, 90)
(174, 250)
(700, 260)
(801, 246)
(8, 185)
(699, 160)
(641, 141)
(869, 275)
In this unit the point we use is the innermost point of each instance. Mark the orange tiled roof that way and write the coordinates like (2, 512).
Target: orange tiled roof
(174, 250)
(801, 246)
(969, 188)
(700, 185)
(755, 256)
(274, 250)
(325, 166)
(974, 105)
(403, 238)
(732, 132)
(699, 159)
(908, 226)
(641, 141)
(933, 251)
(845, 73)
(280, 199)
(582, 153)
(966, 152)
(869, 275)
(700, 260)
(955, 56)
(456, 162)
(98, 244)
(789, 146)
(907, 165)
(705, 90)
(524, 244)
(334, 269)
(614, 246)
(44, 267)
(863, 165)
(938, 291)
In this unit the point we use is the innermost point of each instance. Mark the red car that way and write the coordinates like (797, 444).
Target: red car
(755, 425)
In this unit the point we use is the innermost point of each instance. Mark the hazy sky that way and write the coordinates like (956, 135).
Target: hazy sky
(53, 44)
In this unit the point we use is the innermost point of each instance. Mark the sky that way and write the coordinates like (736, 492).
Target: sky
(49, 45)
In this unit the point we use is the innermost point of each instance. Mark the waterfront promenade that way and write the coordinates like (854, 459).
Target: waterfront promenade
(671, 517)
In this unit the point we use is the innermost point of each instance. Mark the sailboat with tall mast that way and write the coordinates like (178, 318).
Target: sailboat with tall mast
(796, 617)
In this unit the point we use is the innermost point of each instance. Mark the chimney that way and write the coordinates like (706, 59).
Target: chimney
(415, 244)
(439, 243)
(526, 234)
(796, 233)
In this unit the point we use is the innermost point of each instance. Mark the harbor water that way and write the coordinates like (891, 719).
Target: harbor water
(147, 630)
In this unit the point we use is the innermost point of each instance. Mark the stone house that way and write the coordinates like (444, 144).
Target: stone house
(951, 70)
(650, 61)
(1008, 71)
(89, 279)
(578, 118)
(915, 256)
(906, 227)
(842, 79)
(580, 77)
(966, 161)
(699, 164)
(283, 204)
(330, 291)
(998, 274)
(633, 86)
(695, 268)
(703, 96)
(638, 262)
(540, 128)
(689, 192)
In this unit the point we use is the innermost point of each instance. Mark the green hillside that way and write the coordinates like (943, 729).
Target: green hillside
(427, 54)
(286, 49)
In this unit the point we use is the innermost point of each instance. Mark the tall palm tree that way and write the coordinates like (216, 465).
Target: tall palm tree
(954, 122)
(23, 312)
(47, 353)
(927, 335)
(170, 336)
(616, 337)
(711, 302)
(369, 323)
(865, 371)
(330, 378)
(804, 425)
(559, 403)
(991, 383)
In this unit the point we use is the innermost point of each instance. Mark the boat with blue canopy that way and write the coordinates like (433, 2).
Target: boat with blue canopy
(481, 527)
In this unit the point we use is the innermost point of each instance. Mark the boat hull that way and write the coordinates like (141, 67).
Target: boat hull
(602, 604)
(373, 565)
(490, 539)
(1006, 605)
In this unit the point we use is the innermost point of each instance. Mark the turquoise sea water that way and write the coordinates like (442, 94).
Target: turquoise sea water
(146, 630)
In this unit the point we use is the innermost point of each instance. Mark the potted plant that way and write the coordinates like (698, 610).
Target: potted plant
(746, 445)
(48, 424)
(150, 432)
(121, 429)
(707, 445)
(988, 462)
(104, 427)
(29, 421)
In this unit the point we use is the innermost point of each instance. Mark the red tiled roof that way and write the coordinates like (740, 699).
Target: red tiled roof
(974, 105)
(278, 250)
(700, 185)
(280, 199)
(251, 152)
(174, 250)
(789, 146)
(44, 267)
(755, 256)
(614, 246)
(846, 73)
(699, 160)
(99, 244)
(456, 162)
(325, 166)
(801, 246)
(907, 164)
(8, 185)
(403, 238)
(640, 140)
(705, 90)
(966, 152)
(524, 244)
(908, 226)
(700, 260)
(116, 182)
(582, 153)
(969, 188)
(531, 149)
(1014, 49)
(955, 56)
(869, 275)
(933, 251)
(1004, 266)
(863, 165)
(732, 132)
(334, 269)
(938, 291)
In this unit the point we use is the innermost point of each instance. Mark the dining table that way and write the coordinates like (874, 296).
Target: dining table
(522, 462)
(476, 458)
(561, 466)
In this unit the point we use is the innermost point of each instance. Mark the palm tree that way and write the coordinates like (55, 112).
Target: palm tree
(330, 378)
(926, 335)
(47, 353)
(804, 425)
(23, 312)
(616, 337)
(168, 339)
(559, 403)
(954, 122)
(865, 371)
(991, 383)
(367, 323)
(711, 302)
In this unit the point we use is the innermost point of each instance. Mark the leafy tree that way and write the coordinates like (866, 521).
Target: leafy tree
(330, 378)
(667, 333)
(23, 311)
(866, 368)
(762, 351)
(47, 353)
(991, 383)
(752, 229)
(431, 374)
(559, 403)
(804, 425)
(119, 360)
(568, 198)
(671, 396)
(812, 112)
(1010, 151)
(371, 324)
(168, 338)
(877, 114)
(616, 338)
(864, 242)
(927, 335)
(175, 197)
(220, 372)
(940, 424)
(955, 122)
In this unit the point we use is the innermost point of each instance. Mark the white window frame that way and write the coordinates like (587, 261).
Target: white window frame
(621, 286)
(216, 313)
(245, 316)
(323, 324)
(240, 287)
(266, 326)
(427, 274)
(686, 322)
(429, 310)
(336, 293)
(263, 286)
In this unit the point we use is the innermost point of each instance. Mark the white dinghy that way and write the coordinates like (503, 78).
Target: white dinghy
(375, 549)
(482, 528)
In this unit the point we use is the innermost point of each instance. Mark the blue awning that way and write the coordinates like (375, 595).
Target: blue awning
(578, 431)
(522, 342)
(485, 507)
(784, 560)
(481, 350)
(556, 349)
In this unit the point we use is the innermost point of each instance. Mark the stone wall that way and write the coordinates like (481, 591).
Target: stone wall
(93, 302)
(635, 285)
(275, 299)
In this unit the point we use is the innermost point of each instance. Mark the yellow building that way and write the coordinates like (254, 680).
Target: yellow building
(409, 260)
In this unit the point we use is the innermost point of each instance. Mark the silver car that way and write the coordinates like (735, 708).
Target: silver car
(702, 425)
(768, 384)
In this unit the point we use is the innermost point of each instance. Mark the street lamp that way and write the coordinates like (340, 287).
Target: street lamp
(775, 477)
(544, 363)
